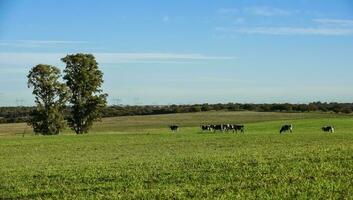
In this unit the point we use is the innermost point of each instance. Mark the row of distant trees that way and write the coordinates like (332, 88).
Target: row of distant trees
(77, 102)
(21, 114)
(112, 111)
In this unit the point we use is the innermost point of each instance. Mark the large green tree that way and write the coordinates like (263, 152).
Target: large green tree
(50, 99)
(84, 79)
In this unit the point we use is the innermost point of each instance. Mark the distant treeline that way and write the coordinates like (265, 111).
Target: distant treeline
(20, 114)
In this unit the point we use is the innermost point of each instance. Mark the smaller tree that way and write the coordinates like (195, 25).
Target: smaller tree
(50, 99)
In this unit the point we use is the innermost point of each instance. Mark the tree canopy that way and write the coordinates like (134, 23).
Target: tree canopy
(84, 80)
(50, 98)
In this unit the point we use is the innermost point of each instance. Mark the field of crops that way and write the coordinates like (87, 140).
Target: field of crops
(139, 158)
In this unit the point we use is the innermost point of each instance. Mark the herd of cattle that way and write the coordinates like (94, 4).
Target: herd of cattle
(235, 128)
(223, 127)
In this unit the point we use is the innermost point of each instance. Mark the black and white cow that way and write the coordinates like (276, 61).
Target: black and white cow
(329, 129)
(218, 127)
(174, 128)
(287, 127)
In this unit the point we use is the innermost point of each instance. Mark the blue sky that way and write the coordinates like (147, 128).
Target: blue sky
(186, 51)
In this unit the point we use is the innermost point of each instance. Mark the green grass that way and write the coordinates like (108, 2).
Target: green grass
(130, 161)
(143, 124)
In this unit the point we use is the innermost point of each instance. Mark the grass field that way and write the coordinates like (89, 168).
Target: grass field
(139, 158)
(144, 124)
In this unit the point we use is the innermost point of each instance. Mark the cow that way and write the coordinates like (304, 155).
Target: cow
(227, 127)
(174, 128)
(329, 129)
(218, 127)
(206, 127)
(286, 128)
(237, 128)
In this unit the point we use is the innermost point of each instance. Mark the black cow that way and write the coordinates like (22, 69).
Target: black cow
(329, 129)
(237, 128)
(286, 128)
(206, 127)
(174, 128)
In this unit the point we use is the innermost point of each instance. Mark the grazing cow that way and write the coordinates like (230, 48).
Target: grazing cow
(174, 128)
(206, 127)
(218, 127)
(224, 127)
(286, 128)
(237, 128)
(329, 129)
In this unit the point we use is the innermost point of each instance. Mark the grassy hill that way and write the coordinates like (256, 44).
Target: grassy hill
(146, 161)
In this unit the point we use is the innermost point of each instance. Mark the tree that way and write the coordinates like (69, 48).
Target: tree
(84, 80)
(195, 108)
(50, 98)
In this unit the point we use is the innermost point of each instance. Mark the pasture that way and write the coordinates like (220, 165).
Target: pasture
(139, 158)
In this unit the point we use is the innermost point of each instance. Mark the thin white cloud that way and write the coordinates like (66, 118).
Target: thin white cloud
(257, 10)
(37, 43)
(116, 57)
(334, 22)
(268, 11)
(111, 58)
(289, 31)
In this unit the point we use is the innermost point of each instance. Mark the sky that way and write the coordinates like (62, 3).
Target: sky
(186, 51)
